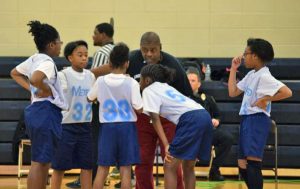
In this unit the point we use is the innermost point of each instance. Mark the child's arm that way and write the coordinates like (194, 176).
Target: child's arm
(160, 132)
(101, 70)
(37, 80)
(283, 93)
(91, 100)
(21, 79)
(92, 94)
(233, 90)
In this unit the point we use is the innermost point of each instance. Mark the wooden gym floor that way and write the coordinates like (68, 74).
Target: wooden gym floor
(12, 182)
(288, 179)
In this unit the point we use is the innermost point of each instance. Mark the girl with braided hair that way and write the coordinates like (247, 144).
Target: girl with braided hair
(193, 124)
(38, 74)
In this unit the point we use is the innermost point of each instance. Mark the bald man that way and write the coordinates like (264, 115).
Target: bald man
(150, 52)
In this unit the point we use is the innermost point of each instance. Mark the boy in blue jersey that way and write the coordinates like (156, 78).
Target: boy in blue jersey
(75, 148)
(38, 74)
(119, 97)
(193, 133)
(260, 89)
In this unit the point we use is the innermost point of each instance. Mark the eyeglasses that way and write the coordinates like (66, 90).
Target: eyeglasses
(58, 42)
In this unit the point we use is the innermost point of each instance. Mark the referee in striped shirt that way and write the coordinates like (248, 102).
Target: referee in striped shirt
(103, 37)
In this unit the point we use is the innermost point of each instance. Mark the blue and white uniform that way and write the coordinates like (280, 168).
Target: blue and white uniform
(43, 117)
(255, 123)
(193, 124)
(75, 148)
(118, 96)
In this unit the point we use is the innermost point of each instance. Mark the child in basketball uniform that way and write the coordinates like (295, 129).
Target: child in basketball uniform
(119, 97)
(193, 133)
(260, 89)
(75, 147)
(38, 74)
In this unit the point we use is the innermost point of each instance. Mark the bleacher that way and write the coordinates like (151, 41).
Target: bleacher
(13, 100)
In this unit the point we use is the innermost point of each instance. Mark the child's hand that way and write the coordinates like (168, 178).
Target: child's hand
(262, 103)
(168, 157)
(215, 122)
(236, 62)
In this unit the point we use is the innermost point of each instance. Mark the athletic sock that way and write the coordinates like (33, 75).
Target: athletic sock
(243, 173)
(255, 178)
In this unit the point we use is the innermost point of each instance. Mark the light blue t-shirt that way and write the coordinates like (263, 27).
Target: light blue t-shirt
(257, 84)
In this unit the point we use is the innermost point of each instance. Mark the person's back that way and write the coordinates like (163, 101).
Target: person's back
(172, 103)
(115, 98)
(119, 97)
(193, 133)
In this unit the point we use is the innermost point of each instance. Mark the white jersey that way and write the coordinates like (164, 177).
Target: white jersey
(257, 84)
(75, 86)
(165, 100)
(45, 64)
(118, 96)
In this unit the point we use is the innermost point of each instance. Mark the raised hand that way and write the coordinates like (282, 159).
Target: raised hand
(236, 62)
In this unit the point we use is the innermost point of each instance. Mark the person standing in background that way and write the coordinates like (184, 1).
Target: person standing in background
(103, 37)
(150, 52)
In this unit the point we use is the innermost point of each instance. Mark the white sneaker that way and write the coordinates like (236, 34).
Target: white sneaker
(115, 173)
(133, 182)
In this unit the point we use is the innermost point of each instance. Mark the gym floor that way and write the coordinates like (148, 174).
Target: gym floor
(12, 182)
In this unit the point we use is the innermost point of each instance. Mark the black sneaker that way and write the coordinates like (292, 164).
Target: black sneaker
(107, 182)
(75, 184)
(215, 176)
(118, 185)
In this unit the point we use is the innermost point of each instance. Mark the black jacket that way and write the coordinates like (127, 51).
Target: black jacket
(209, 103)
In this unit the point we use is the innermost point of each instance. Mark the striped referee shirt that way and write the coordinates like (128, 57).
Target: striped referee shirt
(102, 55)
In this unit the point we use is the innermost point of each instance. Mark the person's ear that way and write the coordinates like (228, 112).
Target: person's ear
(70, 58)
(127, 64)
(199, 84)
(110, 64)
(148, 80)
(51, 45)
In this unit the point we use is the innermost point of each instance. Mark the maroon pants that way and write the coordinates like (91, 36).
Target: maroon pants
(148, 140)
